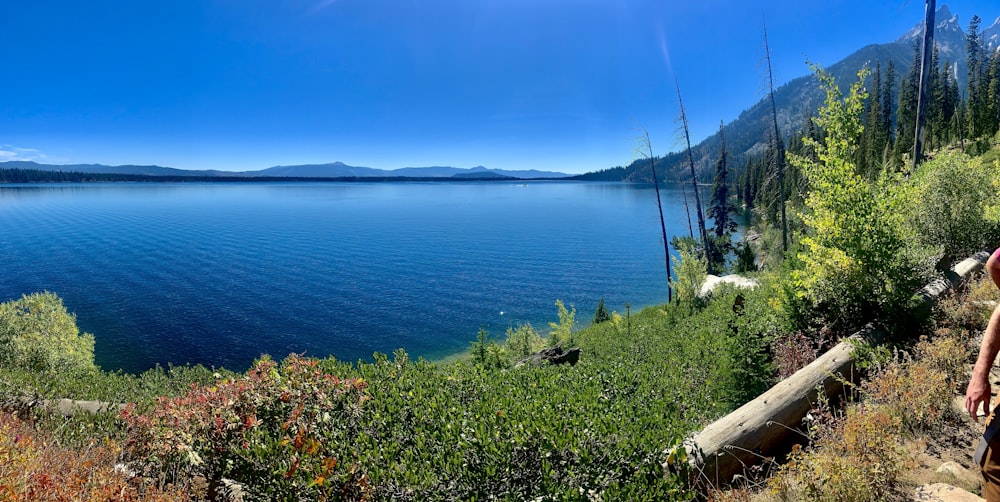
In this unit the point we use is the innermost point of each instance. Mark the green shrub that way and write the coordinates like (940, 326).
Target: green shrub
(486, 352)
(690, 275)
(284, 432)
(856, 458)
(954, 194)
(562, 332)
(523, 341)
(601, 314)
(38, 334)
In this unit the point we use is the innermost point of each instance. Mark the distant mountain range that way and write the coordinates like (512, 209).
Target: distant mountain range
(334, 170)
(747, 135)
(799, 99)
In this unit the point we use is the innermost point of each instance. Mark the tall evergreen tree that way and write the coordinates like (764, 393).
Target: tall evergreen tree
(978, 114)
(993, 94)
(928, 71)
(906, 112)
(887, 101)
(935, 97)
(872, 141)
(722, 212)
(748, 184)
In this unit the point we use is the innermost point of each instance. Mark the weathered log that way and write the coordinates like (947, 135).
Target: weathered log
(65, 407)
(759, 428)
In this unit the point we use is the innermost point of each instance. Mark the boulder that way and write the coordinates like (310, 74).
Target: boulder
(713, 281)
(554, 355)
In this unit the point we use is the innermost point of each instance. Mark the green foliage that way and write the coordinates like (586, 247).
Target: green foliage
(857, 261)
(397, 429)
(562, 332)
(601, 314)
(957, 206)
(746, 259)
(523, 341)
(855, 458)
(284, 432)
(690, 274)
(38, 334)
(486, 352)
(720, 208)
(745, 324)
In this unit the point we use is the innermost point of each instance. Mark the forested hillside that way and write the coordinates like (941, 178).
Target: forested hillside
(891, 85)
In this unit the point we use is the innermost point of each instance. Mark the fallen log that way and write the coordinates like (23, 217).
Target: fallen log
(65, 407)
(759, 428)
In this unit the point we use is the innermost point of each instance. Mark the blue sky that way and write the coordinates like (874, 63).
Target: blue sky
(508, 84)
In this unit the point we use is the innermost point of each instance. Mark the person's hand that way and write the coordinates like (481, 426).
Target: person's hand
(978, 393)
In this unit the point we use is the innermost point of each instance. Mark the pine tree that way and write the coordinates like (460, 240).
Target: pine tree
(906, 114)
(935, 98)
(646, 150)
(749, 186)
(872, 140)
(887, 101)
(601, 314)
(721, 210)
(993, 95)
(978, 113)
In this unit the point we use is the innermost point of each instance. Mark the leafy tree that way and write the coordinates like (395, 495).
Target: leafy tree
(601, 314)
(856, 263)
(37, 333)
(562, 332)
(690, 274)
(523, 340)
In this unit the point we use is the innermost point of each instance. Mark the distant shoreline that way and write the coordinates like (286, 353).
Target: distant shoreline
(24, 176)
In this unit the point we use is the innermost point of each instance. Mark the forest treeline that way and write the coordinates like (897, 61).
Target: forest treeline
(42, 176)
(865, 230)
(967, 117)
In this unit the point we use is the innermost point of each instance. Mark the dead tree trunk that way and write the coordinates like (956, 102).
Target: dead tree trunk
(648, 145)
(694, 175)
(925, 81)
(779, 155)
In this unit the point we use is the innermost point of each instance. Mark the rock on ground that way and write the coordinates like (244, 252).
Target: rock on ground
(942, 492)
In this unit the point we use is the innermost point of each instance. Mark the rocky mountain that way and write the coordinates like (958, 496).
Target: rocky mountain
(333, 170)
(798, 99)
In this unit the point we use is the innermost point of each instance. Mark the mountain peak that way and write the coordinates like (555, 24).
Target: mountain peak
(944, 13)
(944, 21)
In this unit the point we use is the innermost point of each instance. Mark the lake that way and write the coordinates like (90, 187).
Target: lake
(219, 273)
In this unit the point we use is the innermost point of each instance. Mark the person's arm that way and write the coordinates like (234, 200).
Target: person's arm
(978, 391)
(993, 267)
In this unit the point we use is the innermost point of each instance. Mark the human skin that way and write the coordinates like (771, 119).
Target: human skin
(977, 394)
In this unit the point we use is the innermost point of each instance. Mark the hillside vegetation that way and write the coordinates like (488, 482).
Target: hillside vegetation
(861, 240)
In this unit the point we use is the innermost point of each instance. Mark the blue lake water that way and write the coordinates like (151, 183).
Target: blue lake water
(219, 273)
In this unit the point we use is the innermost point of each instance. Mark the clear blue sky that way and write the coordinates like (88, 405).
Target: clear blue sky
(508, 84)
